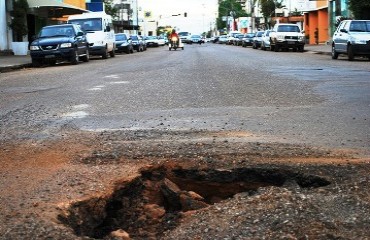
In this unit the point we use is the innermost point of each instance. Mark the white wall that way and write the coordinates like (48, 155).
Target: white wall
(3, 26)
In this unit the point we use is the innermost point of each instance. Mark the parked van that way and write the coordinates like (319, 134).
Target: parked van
(99, 31)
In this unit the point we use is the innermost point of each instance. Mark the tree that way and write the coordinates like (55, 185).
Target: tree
(19, 22)
(360, 8)
(230, 8)
(268, 8)
(110, 9)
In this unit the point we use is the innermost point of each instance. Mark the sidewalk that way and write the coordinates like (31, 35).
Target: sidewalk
(8, 63)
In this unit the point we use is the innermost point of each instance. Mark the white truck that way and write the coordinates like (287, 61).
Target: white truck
(99, 31)
(285, 36)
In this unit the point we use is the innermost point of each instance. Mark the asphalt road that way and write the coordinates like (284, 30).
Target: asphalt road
(289, 97)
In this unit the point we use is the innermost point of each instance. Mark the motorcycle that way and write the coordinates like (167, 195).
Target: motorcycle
(175, 43)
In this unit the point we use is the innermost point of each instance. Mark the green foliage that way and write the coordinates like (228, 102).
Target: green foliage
(360, 8)
(19, 21)
(110, 9)
(268, 7)
(230, 8)
(296, 12)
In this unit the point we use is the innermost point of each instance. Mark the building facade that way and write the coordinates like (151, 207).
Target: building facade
(40, 13)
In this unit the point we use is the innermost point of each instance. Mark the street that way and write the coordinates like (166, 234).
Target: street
(285, 97)
(209, 142)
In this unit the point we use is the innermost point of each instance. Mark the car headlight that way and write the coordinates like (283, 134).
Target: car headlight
(124, 44)
(65, 45)
(280, 37)
(34, 48)
(301, 38)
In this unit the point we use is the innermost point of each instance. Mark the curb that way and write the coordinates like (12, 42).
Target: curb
(14, 67)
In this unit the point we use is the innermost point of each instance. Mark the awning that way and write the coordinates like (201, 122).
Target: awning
(52, 8)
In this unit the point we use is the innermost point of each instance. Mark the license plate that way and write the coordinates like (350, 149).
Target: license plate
(50, 56)
(291, 42)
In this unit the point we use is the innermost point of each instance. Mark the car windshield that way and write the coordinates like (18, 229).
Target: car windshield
(57, 31)
(182, 34)
(151, 37)
(259, 34)
(91, 24)
(250, 35)
(195, 36)
(288, 28)
(360, 26)
(121, 37)
(134, 38)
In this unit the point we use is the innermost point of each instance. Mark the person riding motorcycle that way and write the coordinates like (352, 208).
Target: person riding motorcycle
(172, 35)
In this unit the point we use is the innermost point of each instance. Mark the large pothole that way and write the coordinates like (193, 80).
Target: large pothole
(154, 202)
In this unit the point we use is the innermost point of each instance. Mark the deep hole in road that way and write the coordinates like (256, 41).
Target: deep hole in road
(155, 201)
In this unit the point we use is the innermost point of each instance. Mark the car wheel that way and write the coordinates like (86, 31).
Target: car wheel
(112, 53)
(254, 46)
(36, 62)
(105, 54)
(75, 58)
(86, 58)
(350, 53)
(52, 62)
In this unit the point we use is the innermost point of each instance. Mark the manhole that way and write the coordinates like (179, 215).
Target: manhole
(154, 202)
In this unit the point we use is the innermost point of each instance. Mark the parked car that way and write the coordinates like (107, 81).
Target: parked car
(238, 39)
(60, 43)
(196, 39)
(123, 43)
(137, 43)
(352, 37)
(152, 41)
(145, 44)
(265, 41)
(232, 37)
(161, 40)
(286, 36)
(247, 40)
(98, 27)
(223, 39)
(257, 40)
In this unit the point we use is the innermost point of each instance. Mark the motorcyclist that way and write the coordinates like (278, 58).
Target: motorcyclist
(174, 34)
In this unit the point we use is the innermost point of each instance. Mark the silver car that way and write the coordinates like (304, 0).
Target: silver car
(352, 37)
(265, 42)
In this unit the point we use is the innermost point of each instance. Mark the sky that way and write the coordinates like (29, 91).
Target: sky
(201, 14)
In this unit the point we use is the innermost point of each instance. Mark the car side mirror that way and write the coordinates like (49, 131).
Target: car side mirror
(302, 31)
(80, 34)
(107, 29)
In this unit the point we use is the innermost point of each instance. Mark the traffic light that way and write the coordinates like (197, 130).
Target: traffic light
(185, 14)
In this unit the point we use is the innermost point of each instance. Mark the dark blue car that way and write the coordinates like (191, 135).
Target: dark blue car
(65, 42)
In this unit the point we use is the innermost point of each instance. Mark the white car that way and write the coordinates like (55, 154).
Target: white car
(286, 36)
(352, 37)
(265, 40)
